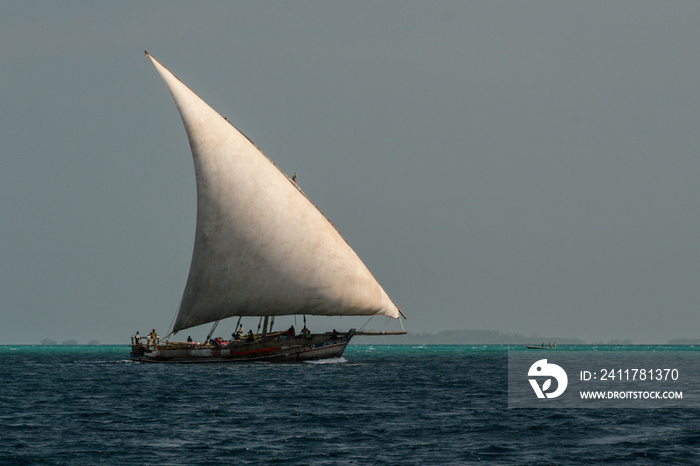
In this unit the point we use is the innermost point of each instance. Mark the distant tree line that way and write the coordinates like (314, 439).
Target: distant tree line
(684, 341)
(457, 337)
(50, 342)
(468, 337)
(494, 337)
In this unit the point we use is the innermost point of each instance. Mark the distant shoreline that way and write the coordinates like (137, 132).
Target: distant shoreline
(496, 337)
(373, 341)
(444, 337)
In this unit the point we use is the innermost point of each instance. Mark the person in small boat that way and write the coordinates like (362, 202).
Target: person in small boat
(251, 336)
(334, 333)
(291, 332)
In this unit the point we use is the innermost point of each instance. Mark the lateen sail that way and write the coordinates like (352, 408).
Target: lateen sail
(261, 247)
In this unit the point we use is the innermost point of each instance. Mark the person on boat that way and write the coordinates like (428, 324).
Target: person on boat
(251, 336)
(240, 333)
(334, 333)
(305, 332)
(153, 336)
(550, 344)
(291, 332)
(294, 178)
(137, 339)
(189, 339)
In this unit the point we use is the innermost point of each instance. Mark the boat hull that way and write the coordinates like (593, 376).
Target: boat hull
(275, 349)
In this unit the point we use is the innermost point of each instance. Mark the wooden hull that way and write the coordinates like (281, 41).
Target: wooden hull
(538, 347)
(278, 348)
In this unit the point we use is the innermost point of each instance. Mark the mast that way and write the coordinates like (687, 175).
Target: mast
(264, 334)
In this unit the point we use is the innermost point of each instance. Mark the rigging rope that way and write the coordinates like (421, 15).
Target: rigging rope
(371, 317)
(172, 325)
(211, 332)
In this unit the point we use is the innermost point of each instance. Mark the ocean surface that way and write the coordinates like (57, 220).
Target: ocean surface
(375, 405)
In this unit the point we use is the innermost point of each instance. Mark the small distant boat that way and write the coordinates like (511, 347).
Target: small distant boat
(540, 347)
(263, 249)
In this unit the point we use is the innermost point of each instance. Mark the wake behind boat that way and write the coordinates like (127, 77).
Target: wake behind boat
(262, 248)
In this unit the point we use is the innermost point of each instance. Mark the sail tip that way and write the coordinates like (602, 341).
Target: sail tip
(146, 52)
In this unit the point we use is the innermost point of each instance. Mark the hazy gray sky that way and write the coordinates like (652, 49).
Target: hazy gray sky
(529, 167)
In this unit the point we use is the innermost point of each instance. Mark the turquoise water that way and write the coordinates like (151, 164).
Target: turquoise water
(376, 405)
(418, 350)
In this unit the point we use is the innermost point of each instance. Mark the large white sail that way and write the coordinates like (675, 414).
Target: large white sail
(261, 247)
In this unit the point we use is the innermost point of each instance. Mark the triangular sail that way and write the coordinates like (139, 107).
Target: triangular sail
(261, 247)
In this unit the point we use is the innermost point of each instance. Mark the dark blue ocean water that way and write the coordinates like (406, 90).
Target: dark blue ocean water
(377, 405)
